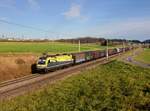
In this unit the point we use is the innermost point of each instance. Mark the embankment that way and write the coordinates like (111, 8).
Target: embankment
(15, 65)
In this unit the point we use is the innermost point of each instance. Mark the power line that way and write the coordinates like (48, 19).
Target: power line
(21, 25)
(30, 27)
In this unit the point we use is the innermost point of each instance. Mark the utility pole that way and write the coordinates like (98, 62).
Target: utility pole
(79, 46)
(107, 49)
(123, 46)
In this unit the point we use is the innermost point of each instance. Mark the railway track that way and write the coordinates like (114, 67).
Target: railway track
(13, 81)
(16, 87)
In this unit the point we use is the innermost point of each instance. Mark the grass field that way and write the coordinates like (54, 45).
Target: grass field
(40, 47)
(144, 56)
(112, 87)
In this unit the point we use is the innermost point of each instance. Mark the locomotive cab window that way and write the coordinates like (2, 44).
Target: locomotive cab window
(41, 61)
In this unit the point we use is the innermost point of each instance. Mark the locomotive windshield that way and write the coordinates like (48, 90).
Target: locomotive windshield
(41, 61)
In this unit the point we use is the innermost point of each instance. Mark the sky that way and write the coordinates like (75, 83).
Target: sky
(55, 19)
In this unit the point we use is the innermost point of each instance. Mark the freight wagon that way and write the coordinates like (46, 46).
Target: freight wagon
(88, 55)
(95, 54)
(112, 51)
(78, 57)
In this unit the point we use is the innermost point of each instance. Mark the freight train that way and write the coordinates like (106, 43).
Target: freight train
(52, 62)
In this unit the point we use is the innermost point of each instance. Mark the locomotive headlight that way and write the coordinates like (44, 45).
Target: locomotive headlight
(41, 66)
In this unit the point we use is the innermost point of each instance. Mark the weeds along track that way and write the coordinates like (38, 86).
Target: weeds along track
(16, 87)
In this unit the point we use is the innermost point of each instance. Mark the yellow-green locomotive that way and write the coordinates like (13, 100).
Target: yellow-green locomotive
(46, 63)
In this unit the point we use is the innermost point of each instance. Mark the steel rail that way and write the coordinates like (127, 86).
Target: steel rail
(8, 82)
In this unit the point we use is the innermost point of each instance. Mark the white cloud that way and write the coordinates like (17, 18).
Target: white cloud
(34, 4)
(74, 12)
(130, 28)
(4, 18)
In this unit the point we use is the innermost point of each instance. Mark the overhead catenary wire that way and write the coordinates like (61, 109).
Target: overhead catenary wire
(31, 27)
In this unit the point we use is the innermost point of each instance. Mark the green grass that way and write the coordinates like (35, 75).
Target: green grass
(144, 56)
(51, 47)
(112, 87)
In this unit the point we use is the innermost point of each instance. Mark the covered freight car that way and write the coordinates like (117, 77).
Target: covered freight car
(121, 50)
(127, 48)
(102, 53)
(88, 55)
(112, 51)
(78, 57)
(96, 54)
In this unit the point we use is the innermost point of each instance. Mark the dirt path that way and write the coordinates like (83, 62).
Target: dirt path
(130, 59)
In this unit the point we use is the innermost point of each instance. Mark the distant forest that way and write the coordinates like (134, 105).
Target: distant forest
(101, 41)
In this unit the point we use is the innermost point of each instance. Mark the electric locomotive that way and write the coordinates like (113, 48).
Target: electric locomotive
(50, 62)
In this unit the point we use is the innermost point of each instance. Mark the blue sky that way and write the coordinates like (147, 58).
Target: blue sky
(73, 18)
